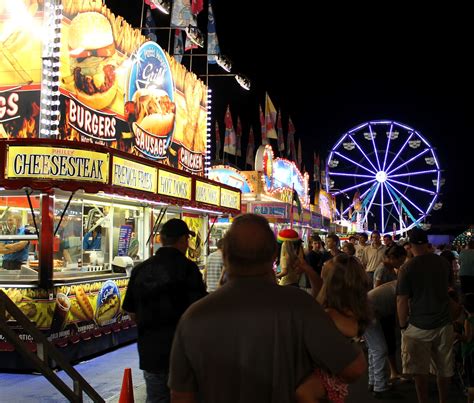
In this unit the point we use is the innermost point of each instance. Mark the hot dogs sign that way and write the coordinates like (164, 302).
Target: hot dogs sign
(117, 90)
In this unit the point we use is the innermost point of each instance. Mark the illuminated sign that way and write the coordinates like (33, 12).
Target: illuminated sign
(270, 210)
(230, 199)
(231, 177)
(207, 193)
(325, 204)
(133, 175)
(56, 163)
(150, 90)
(173, 185)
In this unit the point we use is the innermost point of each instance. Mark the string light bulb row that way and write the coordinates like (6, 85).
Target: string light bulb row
(49, 121)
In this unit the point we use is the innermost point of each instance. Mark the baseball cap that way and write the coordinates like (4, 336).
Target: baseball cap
(176, 228)
(418, 236)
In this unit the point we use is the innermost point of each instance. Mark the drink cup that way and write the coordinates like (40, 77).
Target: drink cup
(60, 312)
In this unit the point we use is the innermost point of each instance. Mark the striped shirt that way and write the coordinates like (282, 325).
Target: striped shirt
(214, 267)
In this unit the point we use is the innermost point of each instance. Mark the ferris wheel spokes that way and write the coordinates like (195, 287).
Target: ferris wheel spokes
(342, 191)
(400, 206)
(410, 160)
(388, 146)
(381, 210)
(393, 201)
(362, 152)
(353, 162)
(406, 198)
(413, 173)
(373, 144)
(413, 187)
(371, 201)
(351, 175)
(399, 151)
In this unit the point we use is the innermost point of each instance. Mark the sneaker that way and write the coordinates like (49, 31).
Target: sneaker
(387, 395)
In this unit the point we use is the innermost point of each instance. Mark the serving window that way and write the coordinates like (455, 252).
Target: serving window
(91, 234)
(20, 219)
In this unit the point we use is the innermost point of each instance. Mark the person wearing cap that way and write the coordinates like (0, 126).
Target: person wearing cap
(423, 309)
(252, 340)
(160, 289)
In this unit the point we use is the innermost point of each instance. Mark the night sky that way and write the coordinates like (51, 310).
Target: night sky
(332, 68)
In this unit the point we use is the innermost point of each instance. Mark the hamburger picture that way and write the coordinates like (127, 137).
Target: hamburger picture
(92, 51)
(152, 110)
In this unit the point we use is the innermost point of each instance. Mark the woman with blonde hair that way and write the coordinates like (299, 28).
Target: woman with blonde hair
(291, 252)
(343, 295)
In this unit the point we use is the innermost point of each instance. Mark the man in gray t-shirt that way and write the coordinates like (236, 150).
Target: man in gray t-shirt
(423, 312)
(252, 340)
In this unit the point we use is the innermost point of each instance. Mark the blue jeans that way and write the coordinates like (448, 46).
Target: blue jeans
(157, 387)
(377, 351)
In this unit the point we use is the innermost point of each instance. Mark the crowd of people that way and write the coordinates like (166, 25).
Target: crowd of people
(273, 322)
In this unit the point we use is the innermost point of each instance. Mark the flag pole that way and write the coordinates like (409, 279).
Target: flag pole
(291, 208)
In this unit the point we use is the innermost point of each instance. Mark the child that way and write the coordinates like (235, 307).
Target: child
(344, 297)
(394, 257)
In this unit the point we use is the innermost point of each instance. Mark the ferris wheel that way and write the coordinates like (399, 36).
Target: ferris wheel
(385, 176)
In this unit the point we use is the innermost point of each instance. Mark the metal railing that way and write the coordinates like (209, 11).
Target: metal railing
(45, 350)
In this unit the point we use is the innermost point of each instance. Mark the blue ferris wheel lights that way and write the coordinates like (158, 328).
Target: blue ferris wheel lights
(429, 171)
(413, 187)
(410, 160)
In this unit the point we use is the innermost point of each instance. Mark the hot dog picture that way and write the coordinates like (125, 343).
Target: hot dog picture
(152, 110)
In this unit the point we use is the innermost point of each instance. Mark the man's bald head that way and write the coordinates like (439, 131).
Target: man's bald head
(249, 246)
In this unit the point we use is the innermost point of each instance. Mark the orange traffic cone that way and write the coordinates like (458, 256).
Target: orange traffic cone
(126, 394)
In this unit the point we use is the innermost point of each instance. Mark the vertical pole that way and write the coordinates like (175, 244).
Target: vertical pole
(46, 241)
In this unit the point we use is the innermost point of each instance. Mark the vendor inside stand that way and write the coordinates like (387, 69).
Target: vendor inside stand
(15, 253)
(93, 239)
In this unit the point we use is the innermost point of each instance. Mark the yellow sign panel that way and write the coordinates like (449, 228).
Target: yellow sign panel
(207, 193)
(133, 175)
(170, 184)
(56, 163)
(230, 199)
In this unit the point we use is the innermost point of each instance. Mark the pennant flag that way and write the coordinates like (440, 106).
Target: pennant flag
(281, 138)
(178, 45)
(316, 167)
(218, 141)
(296, 199)
(291, 148)
(270, 117)
(238, 148)
(300, 154)
(197, 6)
(150, 25)
(250, 159)
(263, 127)
(182, 15)
(213, 49)
(230, 141)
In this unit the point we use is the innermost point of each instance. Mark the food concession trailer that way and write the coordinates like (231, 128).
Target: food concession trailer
(103, 138)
